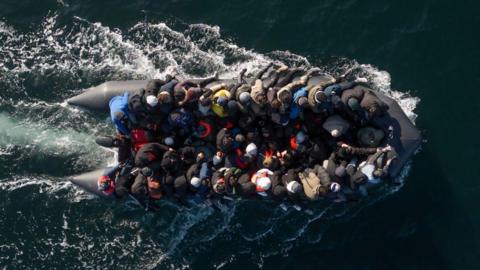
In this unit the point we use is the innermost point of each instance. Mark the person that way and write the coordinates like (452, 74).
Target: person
(338, 87)
(150, 155)
(146, 109)
(147, 185)
(106, 183)
(285, 94)
(262, 182)
(373, 105)
(375, 168)
(120, 115)
(190, 90)
(351, 103)
(300, 102)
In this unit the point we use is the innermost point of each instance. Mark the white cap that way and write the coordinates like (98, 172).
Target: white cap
(251, 149)
(335, 187)
(263, 184)
(169, 141)
(152, 100)
(300, 137)
(293, 187)
(216, 160)
(195, 182)
(335, 133)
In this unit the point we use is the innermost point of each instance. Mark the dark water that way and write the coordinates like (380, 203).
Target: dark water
(424, 53)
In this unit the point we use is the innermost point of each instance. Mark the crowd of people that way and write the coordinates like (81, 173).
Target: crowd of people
(278, 137)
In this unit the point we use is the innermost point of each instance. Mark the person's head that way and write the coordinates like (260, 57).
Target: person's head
(263, 184)
(353, 104)
(335, 187)
(266, 132)
(321, 191)
(300, 137)
(164, 97)
(169, 141)
(195, 182)
(239, 138)
(374, 110)
(216, 160)
(227, 141)
(205, 102)
(219, 186)
(222, 101)
(146, 171)
(232, 106)
(302, 102)
(251, 149)
(285, 97)
(261, 99)
(152, 101)
(320, 97)
(340, 171)
(275, 104)
(153, 86)
(335, 133)
(294, 187)
(194, 93)
(244, 98)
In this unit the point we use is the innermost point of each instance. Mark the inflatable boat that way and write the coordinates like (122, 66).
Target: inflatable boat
(403, 136)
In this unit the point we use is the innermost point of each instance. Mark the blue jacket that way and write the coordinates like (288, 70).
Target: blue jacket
(294, 108)
(119, 104)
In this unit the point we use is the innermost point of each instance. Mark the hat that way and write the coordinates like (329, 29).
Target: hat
(331, 89)
(146, 171)
(222, 101)
(239, 138)
(263, 184)
(232, 106)
(244, 97)
(300, 137)
(340, 171)
(193, 92)
(216, 160)
(353, 104)
(320, 96)
(169, 141)
(294, 187)
(251, 149)
(195, 182)
(370, 137)
(164, 97)
(335, 187)
(302, 102)
(152, 100)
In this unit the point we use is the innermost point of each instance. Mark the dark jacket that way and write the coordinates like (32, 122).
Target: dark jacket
(149, 153)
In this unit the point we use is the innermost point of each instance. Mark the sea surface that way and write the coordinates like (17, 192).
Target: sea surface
(424, 53)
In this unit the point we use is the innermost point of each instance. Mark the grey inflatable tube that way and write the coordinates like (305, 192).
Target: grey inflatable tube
(405, 137)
